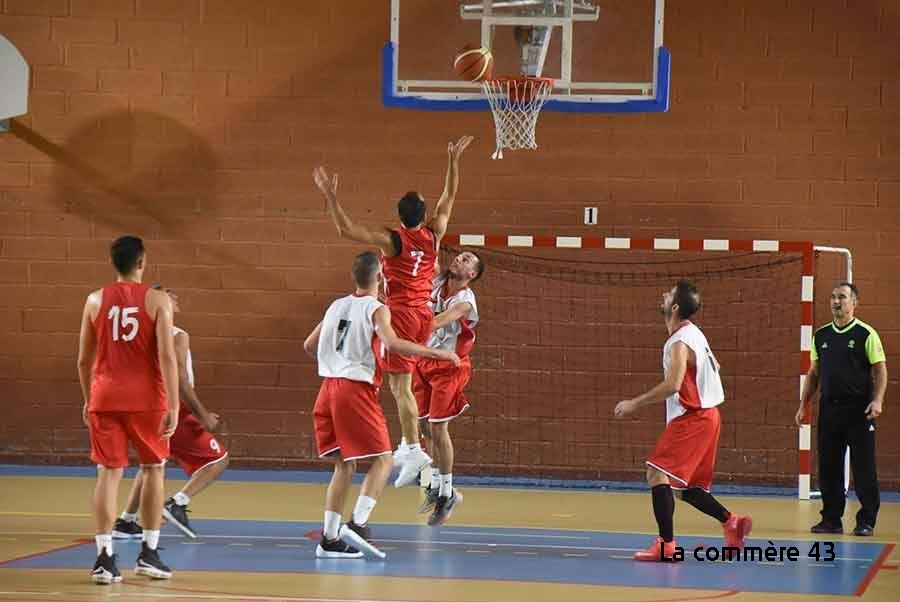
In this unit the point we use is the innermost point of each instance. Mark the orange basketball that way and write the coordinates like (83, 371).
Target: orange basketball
(474, 64)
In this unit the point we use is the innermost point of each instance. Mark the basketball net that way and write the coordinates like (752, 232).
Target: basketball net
(516, 103)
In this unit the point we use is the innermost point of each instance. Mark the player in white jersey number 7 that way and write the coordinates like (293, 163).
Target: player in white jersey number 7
(347, 416)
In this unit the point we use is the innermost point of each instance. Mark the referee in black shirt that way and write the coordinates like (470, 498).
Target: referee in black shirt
(848, 367)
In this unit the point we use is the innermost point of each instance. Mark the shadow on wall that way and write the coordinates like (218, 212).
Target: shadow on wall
(125, 165)
(143, 173)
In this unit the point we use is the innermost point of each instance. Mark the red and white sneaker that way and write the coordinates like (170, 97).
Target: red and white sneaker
(652, 554)
(736, 529)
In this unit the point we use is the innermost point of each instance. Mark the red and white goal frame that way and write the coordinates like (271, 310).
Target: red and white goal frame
(806, 249)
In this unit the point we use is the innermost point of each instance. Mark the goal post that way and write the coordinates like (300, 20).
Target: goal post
(537, 389)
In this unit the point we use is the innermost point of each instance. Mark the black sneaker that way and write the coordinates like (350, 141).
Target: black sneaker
(335, 548)
(127, 529)
(828, 528)
(863, 530)
(362, 530)
(105, 570)
(178, 516)
(149, 563)
(443, 508)
(431, 496)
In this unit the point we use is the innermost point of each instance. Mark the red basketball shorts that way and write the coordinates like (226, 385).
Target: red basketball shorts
(439, 388)
(348, 420)
(686, 450)
(194, 447)
(412, 324)
(111, 432)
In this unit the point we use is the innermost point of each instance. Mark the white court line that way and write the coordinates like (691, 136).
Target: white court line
(574, 548)
(497, 534)
(239, 597)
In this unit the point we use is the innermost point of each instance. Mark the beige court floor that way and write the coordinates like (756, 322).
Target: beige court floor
(42, 513)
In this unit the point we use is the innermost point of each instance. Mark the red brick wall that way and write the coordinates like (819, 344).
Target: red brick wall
(196, 124)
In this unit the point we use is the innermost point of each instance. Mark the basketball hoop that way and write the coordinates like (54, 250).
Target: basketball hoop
(516, 103)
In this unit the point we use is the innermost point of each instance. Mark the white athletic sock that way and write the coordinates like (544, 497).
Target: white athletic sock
(332, 525)
(363, 508)
(151, 538)
(181, 498)
(128, 517)
(104, 542)
(446, 485)
(414, 446)
(435, 478)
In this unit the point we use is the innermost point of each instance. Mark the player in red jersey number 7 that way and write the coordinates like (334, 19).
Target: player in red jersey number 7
(409, 255)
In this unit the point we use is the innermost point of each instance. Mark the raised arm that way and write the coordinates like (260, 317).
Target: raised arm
(382, 320)
(679, 356)
(345, 226)
(87, 347)
(451, 315)
(443, 209)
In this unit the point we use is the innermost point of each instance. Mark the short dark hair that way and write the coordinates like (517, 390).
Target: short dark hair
(125, 253)
(365, 266)
(854, 290)
(411, 209)
(479, 270)
(687, 297)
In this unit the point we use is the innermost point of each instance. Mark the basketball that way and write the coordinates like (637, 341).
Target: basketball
(474, 64)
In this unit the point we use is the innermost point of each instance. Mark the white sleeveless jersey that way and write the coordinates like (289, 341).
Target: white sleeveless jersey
(187, 361)
(347, 340)
(702, 386)
(458, 336)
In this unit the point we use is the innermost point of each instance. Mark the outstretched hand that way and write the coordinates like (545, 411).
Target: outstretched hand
(455, 149)
(328, 185)
(625, 408)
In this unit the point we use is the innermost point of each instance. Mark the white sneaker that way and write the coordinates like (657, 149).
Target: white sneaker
(401, 453)
(413, 463)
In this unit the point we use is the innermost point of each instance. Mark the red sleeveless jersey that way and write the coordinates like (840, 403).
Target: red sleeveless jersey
(408, 276)
(126, 374)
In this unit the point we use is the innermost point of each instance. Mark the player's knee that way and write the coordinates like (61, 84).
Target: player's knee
(656, 477)
(689, 494)
(384, 462)
(439, 431)
(345, 466)
(401, 385)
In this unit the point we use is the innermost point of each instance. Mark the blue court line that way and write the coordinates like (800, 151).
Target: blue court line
(502, 482)
(542, 555)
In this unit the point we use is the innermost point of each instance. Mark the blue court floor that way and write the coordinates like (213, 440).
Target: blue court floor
(543, 555)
